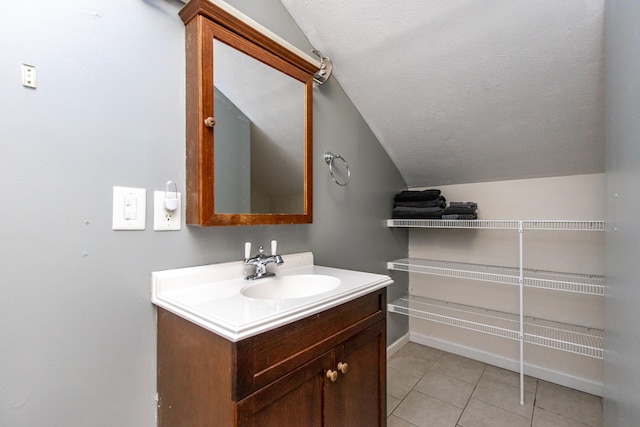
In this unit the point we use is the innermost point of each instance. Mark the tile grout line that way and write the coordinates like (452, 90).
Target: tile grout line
(417, 391)
(475, 386)
(535, 398)
(533, 406)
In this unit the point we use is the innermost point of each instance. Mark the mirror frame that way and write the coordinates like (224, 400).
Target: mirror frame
(205, 21)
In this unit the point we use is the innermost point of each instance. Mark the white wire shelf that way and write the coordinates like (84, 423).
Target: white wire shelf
(544, 279)
(508, 224)
(560, 336)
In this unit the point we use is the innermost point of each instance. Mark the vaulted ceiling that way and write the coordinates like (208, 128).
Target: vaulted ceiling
(461, 91)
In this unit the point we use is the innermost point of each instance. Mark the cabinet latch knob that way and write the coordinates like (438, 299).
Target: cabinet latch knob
(343, 367)
(332, 375)
(209, 122)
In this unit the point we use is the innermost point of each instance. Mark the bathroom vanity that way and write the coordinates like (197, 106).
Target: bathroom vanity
(315, 360)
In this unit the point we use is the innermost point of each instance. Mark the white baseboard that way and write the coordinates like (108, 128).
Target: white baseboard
(576, 383)
(397, 345)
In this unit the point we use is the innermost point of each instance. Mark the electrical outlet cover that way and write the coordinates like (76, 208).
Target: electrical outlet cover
(163, 219)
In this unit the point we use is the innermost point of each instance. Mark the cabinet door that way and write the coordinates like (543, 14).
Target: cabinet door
(358, 397)
(297, 399)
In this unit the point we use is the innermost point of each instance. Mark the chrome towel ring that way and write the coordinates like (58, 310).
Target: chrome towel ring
(329, 157)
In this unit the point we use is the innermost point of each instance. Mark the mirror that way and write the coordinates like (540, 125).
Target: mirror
(258, 136)
(253, 166)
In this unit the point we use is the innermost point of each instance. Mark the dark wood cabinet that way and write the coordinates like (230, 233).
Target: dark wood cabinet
(358, 397)
(328, 369)
(297, 399)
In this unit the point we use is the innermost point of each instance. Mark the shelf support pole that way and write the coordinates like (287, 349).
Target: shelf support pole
(521, 285)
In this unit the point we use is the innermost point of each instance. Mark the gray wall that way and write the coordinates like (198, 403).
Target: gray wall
(622, 300)
(78, 332)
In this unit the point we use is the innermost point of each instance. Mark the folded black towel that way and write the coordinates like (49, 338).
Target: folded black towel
(440, 202)
(417, 210)
(417, 216)
(460, 216)
(417, 196)
(402, 212)
(459, 210)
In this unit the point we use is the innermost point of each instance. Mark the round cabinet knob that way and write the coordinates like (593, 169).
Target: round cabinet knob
(343, 367)
(332, 375)
(209, 122)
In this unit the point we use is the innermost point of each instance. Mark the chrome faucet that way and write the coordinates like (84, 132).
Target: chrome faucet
(261, 260)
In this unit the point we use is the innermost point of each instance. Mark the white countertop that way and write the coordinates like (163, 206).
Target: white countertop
(210, 296)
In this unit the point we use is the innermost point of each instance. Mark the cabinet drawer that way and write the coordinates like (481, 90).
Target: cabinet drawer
(261, 359)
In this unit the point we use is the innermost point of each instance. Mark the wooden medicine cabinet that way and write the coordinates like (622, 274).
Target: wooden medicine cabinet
(249, 122)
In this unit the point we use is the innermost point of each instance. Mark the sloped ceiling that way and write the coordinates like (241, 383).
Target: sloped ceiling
(461, 91)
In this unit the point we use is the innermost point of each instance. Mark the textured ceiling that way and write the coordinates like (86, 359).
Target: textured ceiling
(461, 91)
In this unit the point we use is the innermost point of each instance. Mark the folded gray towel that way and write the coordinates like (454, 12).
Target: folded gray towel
(473, 205)
(459, 210)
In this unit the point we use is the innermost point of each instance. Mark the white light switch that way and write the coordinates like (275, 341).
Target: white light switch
(129, 208)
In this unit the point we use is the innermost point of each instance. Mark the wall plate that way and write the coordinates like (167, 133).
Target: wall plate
(163, 219)
(129, 208)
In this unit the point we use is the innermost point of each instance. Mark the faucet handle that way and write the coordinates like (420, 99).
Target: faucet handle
(274, 247)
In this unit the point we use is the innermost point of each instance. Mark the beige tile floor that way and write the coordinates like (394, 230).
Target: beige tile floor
(427, 387)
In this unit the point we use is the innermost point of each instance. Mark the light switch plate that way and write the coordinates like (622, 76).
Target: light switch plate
(29, 76)
(129, 208)
(163, 219)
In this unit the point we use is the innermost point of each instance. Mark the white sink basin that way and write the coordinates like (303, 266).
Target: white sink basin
(219, 299)
(292, 286)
